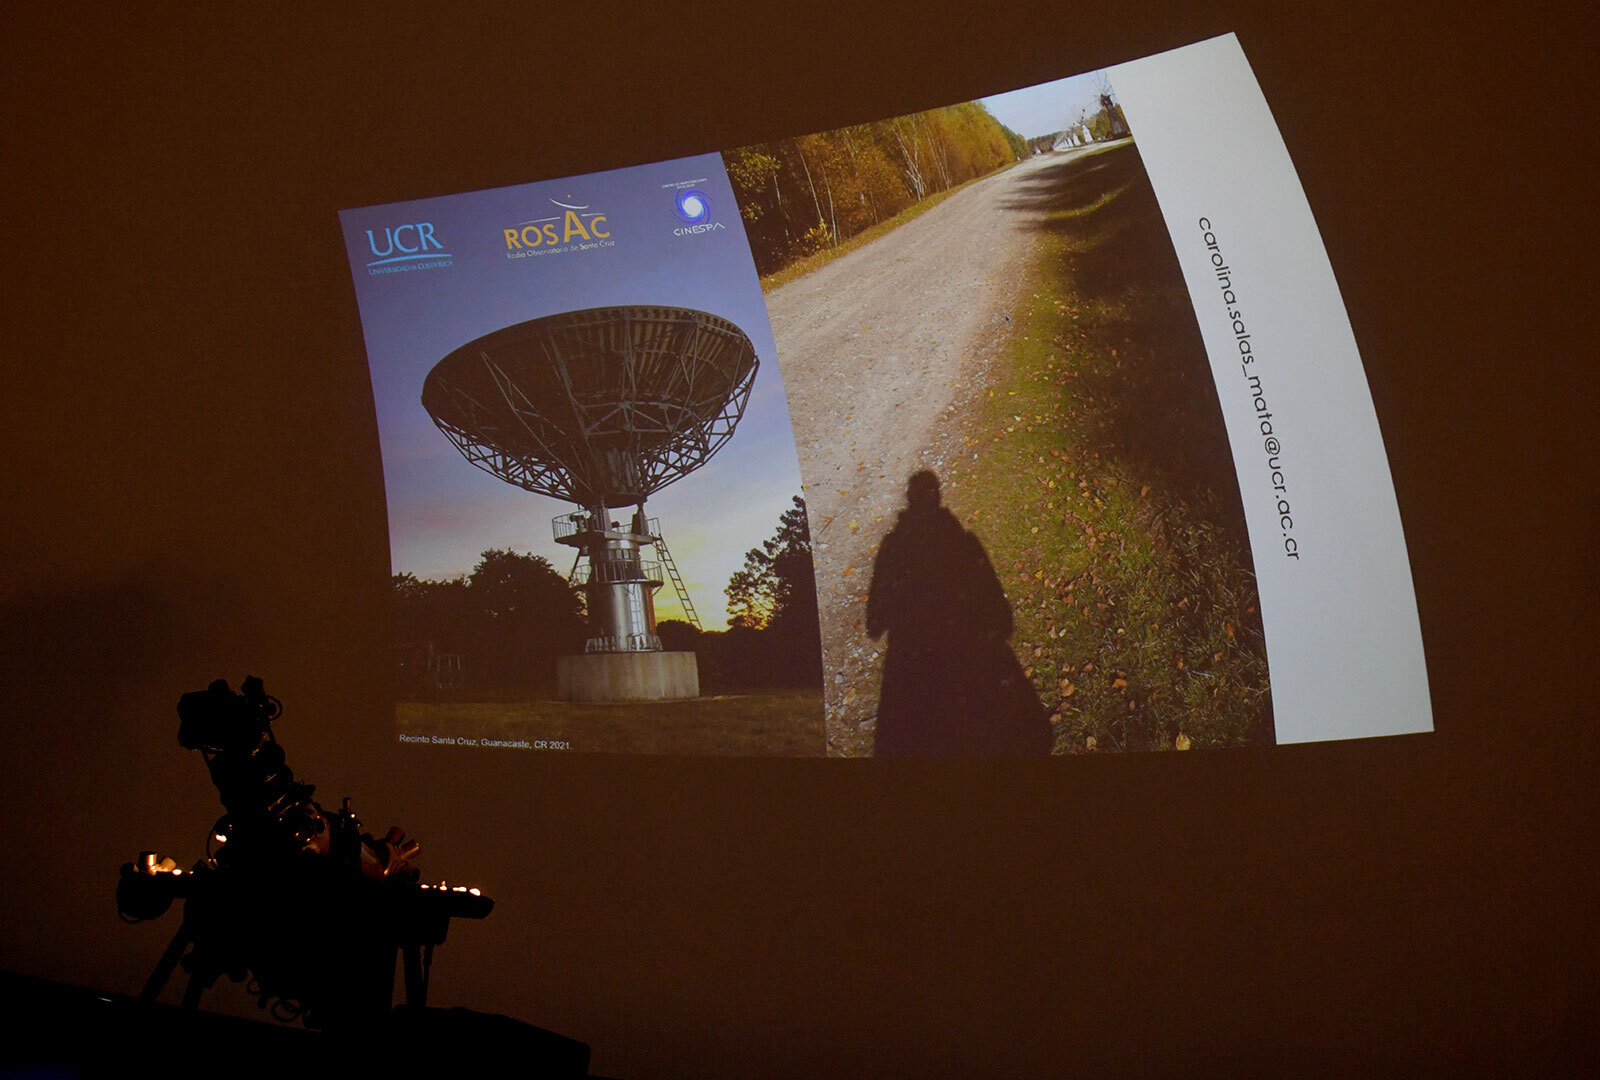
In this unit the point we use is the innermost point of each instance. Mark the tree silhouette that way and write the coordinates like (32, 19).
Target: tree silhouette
(775, 595)
(509, 619)
(779, 581)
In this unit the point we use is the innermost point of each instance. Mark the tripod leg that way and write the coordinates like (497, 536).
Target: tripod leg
(169, 960)
(205, 966)
(198, 981)
(416, 985)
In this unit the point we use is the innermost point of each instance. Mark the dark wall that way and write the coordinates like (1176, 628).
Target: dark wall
(190, 487)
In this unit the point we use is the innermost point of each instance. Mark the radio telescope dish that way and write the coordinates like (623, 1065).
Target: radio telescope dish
(602, 408)
(598, 407)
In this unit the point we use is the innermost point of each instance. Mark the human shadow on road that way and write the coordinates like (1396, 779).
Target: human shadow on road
(952, 687)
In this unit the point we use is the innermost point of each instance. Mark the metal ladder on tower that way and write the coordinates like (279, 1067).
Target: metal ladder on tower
(580, 569)
(677, 583)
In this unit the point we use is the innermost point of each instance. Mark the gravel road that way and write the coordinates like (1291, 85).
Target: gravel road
(880, 351)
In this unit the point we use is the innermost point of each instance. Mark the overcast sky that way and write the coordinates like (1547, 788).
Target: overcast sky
(1047, 107)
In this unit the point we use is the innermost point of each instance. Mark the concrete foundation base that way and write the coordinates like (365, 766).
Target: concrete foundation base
(647, 676)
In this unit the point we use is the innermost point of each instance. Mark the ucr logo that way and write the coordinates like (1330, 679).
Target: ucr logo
(411, 241)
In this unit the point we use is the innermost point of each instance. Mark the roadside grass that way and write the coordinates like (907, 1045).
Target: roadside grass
(1104, 489)
(801, 267)
(775, 723)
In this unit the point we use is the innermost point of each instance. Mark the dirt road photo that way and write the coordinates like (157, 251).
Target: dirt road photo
(921, 310)
(1029, 340)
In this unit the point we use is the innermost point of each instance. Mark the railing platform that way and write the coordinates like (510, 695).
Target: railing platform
(576, 530)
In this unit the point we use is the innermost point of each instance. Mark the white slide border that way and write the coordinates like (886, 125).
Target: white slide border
(1344, 645)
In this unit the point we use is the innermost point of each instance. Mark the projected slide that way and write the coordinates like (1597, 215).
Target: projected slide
(1024, 426)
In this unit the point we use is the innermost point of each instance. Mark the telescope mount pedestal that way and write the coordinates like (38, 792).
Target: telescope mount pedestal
(623, 659)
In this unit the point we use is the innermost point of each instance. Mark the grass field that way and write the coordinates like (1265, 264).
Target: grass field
(776, 723)
(1097, 473)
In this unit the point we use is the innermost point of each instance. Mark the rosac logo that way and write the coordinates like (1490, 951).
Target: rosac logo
(693, 207)
(406, 247)
(576, 228)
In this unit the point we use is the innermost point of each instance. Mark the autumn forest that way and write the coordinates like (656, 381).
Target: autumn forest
(803, 195)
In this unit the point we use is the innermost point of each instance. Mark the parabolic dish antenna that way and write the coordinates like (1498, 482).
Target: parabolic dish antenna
(598, 407)
(602, 408)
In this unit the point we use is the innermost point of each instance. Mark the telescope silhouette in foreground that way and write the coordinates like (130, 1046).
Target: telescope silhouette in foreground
(603, 408)
(311, 910)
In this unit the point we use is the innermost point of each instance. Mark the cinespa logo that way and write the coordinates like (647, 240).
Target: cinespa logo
(573, 227)
(401, 248)
(693, 208)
